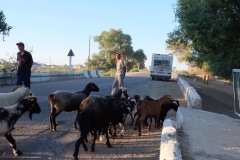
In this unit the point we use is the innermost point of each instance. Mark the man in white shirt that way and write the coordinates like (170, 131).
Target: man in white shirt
(121, 71)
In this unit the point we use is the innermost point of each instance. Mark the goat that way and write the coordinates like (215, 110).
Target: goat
(116, 116)
(134, 99)
(30, 94)
(121, 93)
(165, 108)
(97, 102)
(8, 99)
(163, 113)
(68, 101)
(150, 109)
(9, 116)
(146, 98)
(92, 119)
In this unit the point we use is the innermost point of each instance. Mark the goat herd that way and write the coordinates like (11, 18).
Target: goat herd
(95, 114)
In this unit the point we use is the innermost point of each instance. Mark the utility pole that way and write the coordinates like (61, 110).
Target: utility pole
(89, 52)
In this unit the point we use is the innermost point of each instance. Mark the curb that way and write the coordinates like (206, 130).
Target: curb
(169, 148)
(190, 94)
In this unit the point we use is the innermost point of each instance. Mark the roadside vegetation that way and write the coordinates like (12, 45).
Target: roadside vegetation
(207, 36)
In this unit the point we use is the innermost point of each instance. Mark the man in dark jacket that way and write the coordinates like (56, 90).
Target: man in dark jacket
(25, 63)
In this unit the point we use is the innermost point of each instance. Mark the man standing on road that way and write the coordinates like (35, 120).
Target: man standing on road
(25, 63)
(121, 71)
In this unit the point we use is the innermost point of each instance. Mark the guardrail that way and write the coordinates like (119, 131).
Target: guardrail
(43, 77)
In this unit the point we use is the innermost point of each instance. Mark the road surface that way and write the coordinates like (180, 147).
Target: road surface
(36, 141)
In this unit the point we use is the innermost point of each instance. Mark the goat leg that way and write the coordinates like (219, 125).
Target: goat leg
(136, 123)
(53, 110)
(108, 142)
(77, 145)
(74, 124)
(157, 120)
(124, 119)
(149, 126)
(10, 139)
(115, 131)
(53, 119)
(145, 122)
(123, 129)
(131, 118)
(93, 144)
(139, 125)
(110, 129)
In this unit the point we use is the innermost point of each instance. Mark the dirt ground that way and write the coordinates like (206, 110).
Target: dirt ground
(217, 96)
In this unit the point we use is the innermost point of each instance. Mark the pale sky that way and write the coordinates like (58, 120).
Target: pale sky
(54, 27)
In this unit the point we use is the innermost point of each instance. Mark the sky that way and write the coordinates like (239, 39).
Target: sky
(52, 28)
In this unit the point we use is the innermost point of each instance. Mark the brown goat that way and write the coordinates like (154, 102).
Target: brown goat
(151, 109)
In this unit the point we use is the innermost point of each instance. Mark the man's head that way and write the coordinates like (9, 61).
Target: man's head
(118, 55)
(20, 46)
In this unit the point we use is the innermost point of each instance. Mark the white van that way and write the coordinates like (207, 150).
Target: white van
(161, 66)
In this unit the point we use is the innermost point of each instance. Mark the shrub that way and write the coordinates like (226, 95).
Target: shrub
(109, 73)
(134, 70)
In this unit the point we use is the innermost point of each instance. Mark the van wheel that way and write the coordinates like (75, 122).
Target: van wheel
(152, 78)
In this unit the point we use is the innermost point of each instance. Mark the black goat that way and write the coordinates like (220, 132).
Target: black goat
(94, 120)
(99, 102)
(165, 109)
(68, 101)
(116, 116)
(9, 116)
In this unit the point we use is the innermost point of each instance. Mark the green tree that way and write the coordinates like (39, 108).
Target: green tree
(109, 43)
(208, 34)
(4, 27)
(138, 59)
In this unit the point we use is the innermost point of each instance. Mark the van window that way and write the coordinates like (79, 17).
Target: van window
(161, 63)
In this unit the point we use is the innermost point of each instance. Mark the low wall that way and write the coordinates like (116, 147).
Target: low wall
(190, 94)
(169, 148)
(43, 77)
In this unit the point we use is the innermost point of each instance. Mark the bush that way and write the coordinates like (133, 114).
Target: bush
(183, 73)
(134, 70)
(109, 73)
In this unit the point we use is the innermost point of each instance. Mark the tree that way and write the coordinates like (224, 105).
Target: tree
(109, 43)
(208, 35)
(4, 27)
(139, 59)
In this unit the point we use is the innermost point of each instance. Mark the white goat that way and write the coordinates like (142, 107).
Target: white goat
(9, 116)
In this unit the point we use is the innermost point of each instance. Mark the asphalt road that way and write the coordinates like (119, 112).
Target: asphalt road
(36, 141)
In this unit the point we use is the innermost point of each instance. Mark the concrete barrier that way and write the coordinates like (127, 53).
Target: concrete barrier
(99, 74)
(55, 76)
(190, 94)
(89, 74)
(70, 75)
(93, 74)
(45, 77)
(169, 148)
(35, 77)
(86, 75)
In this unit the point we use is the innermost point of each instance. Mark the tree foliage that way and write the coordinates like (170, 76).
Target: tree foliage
(109, 43)
(208, 34)
(4, 27)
